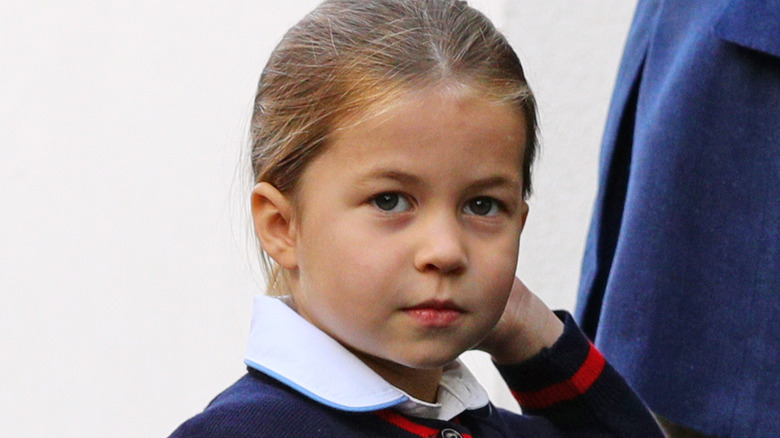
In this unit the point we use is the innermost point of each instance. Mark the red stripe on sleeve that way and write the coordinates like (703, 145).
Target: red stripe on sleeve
(577, 385)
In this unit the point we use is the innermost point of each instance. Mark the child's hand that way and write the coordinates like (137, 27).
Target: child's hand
(526, 327)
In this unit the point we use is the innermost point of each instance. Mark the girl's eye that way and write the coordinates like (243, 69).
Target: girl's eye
(391, 202)
(482, 206)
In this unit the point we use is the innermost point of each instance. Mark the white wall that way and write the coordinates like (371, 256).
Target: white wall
(125, 262)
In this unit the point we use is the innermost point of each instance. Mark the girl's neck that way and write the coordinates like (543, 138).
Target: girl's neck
(422, 384)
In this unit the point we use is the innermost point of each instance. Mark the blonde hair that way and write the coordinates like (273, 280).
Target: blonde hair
(347, 55)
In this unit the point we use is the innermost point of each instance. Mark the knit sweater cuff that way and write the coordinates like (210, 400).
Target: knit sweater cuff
(569, 382)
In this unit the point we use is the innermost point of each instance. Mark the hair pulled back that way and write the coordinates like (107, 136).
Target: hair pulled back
(347, 55)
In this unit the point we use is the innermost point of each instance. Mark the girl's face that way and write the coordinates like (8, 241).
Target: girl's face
(407, 240)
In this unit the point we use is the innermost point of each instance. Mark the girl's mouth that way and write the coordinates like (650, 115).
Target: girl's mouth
(435, 313)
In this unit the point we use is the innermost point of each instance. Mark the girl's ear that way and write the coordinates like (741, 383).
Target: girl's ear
(272, 212)
(524, 212)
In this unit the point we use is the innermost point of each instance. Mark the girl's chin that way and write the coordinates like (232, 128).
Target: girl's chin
(429, 361)
(425, 361)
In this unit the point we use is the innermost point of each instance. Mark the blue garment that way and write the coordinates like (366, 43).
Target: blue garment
(680, 283)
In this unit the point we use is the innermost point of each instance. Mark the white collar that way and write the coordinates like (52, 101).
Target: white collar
(288, 348)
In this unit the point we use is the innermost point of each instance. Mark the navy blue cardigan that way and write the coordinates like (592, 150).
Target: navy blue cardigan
(566, 391)
(681, 277)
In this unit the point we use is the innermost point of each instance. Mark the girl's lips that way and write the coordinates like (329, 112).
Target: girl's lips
(435, 313)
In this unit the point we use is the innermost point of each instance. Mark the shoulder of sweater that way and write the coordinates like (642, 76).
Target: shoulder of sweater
(253, 406)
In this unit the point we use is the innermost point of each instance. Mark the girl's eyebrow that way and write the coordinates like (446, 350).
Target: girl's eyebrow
(395, 175)
(495, 181)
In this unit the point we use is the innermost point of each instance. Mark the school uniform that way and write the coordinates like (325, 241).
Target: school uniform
(680, 283)
(302, 383)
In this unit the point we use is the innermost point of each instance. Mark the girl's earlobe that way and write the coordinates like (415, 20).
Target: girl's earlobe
(272, 212)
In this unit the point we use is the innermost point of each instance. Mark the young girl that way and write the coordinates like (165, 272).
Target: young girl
(392, 147)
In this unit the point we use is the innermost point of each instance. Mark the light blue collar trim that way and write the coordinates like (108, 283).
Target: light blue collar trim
(288, 348)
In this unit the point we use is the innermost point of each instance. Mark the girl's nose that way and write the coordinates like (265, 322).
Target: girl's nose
(442, 247)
